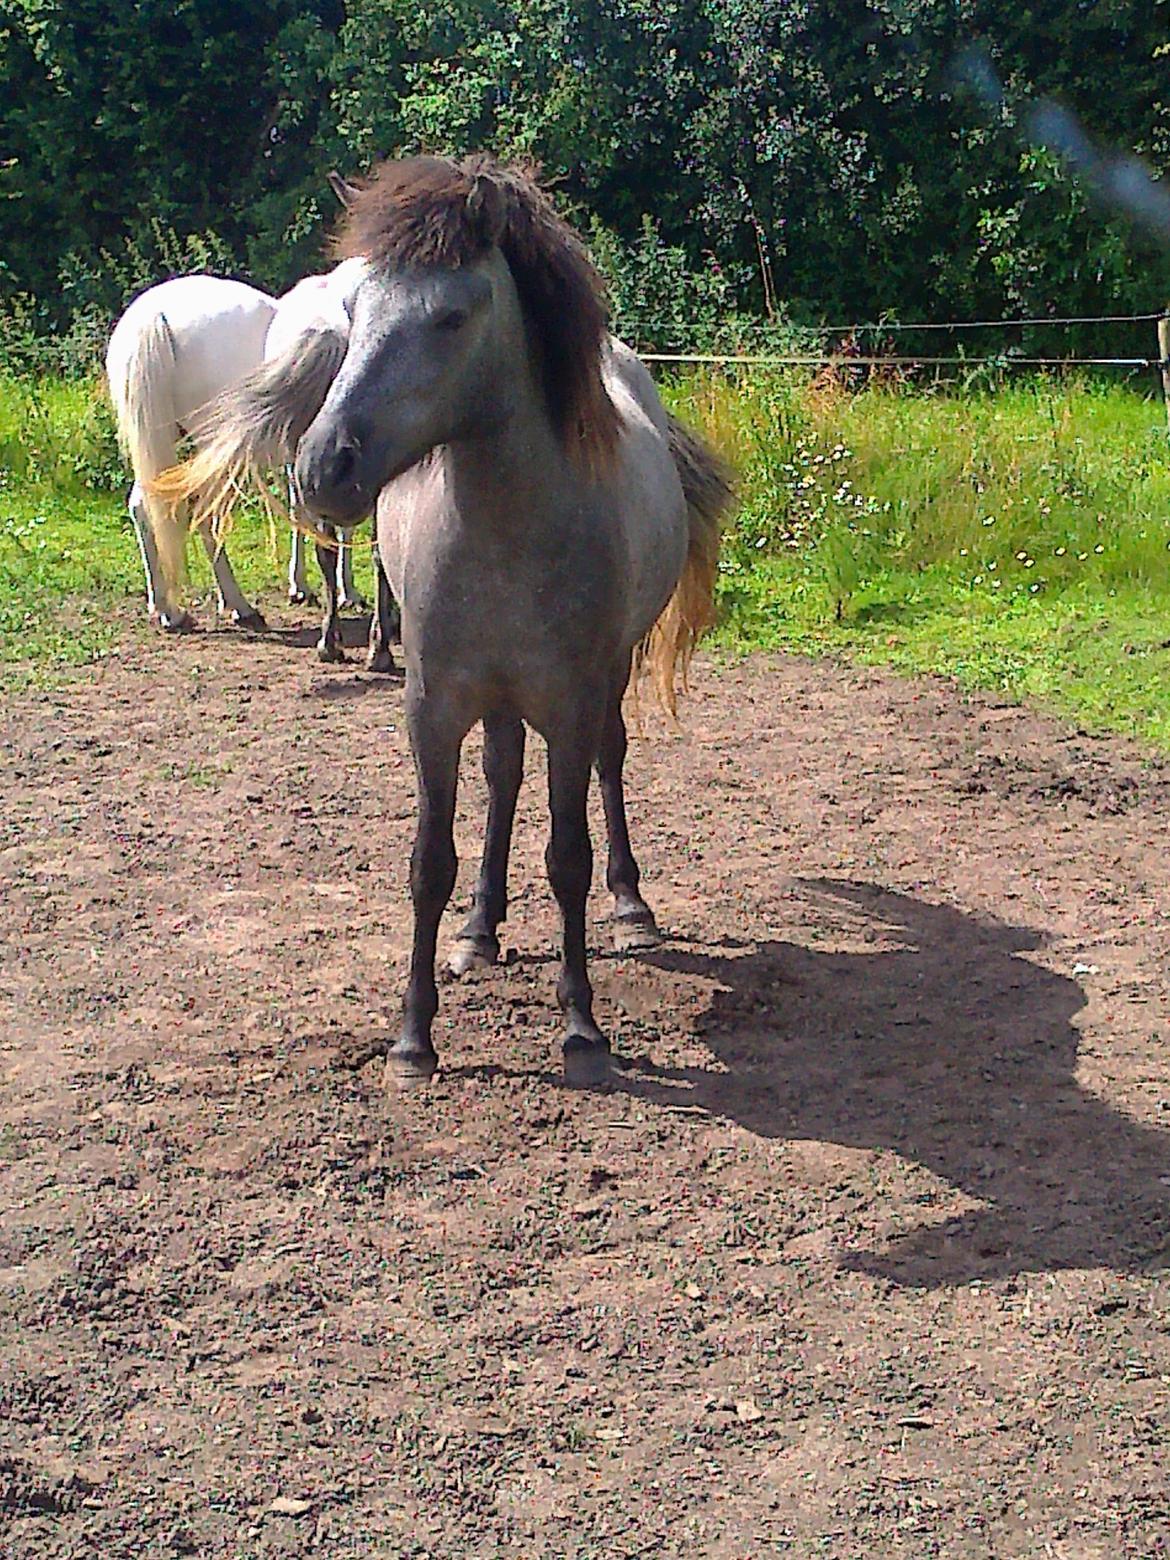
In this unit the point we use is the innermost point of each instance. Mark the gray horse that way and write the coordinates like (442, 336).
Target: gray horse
(544, 524)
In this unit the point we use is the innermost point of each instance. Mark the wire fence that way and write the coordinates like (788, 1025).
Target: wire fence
(846, 355)
(853, 360)
(1035, 323)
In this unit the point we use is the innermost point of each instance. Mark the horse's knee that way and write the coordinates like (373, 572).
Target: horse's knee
(433, 867)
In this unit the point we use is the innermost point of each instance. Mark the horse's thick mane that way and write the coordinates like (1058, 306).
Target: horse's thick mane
(424, 211)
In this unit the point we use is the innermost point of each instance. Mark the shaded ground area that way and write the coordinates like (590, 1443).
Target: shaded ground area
(864, 1253)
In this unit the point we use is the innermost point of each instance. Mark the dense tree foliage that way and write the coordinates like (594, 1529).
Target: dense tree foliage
(823, 158)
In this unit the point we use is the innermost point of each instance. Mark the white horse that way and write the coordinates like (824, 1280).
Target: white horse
(177, 347)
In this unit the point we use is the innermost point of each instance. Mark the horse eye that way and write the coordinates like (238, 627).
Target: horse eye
(454, 319)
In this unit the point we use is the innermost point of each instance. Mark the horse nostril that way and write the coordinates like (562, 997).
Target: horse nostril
(342, 466)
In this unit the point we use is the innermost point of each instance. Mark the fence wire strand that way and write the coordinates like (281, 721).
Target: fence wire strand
(761, 327)
(844, 358)
(848, 360)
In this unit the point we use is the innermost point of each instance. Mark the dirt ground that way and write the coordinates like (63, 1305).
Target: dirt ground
(865, 1253)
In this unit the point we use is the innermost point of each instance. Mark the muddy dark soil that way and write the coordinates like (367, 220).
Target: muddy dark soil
(865, 1252)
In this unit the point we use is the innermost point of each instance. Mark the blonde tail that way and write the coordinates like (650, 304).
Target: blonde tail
(252, 427)
(142, 393)
(666, 651)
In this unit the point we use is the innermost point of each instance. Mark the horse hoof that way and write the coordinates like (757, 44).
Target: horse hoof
(252, 621)
(176, 622)
(586, 1063)
(473, 953)
(302, 598)
(380, 661)
(636, 933)
(409, 1069)
(330, 652)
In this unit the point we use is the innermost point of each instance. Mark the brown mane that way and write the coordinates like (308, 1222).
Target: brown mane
(436, 211)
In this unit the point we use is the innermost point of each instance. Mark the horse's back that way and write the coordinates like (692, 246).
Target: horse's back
(316, 303)
(217, 327)
(651, 502)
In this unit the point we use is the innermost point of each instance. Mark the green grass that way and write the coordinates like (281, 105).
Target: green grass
(1015, 538)
(70, 573)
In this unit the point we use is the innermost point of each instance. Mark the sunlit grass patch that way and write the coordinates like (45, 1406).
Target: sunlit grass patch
(1017, 539)
(68, 556)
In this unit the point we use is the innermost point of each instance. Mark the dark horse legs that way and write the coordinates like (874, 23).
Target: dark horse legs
(634, 926)
(436, 736)
(382, 625)
(385, 622)
(578, 742)
(571, 754)
(329, 644)
(503, 767)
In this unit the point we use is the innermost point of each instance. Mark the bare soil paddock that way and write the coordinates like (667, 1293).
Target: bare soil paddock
(865, 1253)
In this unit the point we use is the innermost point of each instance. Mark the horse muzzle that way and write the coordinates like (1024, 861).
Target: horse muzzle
(332, 479)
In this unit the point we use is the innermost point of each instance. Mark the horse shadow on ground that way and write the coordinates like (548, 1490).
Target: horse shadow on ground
(941, 1043)
(355, 634)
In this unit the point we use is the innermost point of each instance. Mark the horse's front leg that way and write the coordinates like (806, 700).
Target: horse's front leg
(329, 645)
(298, 586)
(569, 857)
(233, 604)
(348, 594)
(385, 622)
(435, 737)
(503, 767)
(634, 926)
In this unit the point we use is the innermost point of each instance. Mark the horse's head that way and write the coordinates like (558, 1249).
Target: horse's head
(421, 369)
(462, 257)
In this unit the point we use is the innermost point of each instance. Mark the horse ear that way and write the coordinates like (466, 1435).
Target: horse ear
(488, 205)
(346, 192)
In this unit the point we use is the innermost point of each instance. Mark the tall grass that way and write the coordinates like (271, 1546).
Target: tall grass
(1032, 488)
(1016, 538)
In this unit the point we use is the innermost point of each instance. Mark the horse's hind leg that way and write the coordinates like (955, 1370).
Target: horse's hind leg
(503, 767)
(171, 618)
(634, 926)
(385, 622)
(233, 604)
(570, 868)
(435, 737)
(329, 645)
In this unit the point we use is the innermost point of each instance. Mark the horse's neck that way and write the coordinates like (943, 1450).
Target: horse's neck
(506, 479)
(503, 469)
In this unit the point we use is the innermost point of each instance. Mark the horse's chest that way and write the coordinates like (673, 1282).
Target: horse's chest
(511, 626)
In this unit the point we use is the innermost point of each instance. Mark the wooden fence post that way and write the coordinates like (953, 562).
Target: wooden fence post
(1164, 359)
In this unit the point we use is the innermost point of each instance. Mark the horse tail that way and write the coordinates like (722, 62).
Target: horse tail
(707, 486)
(254, 425)
(141, 387)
